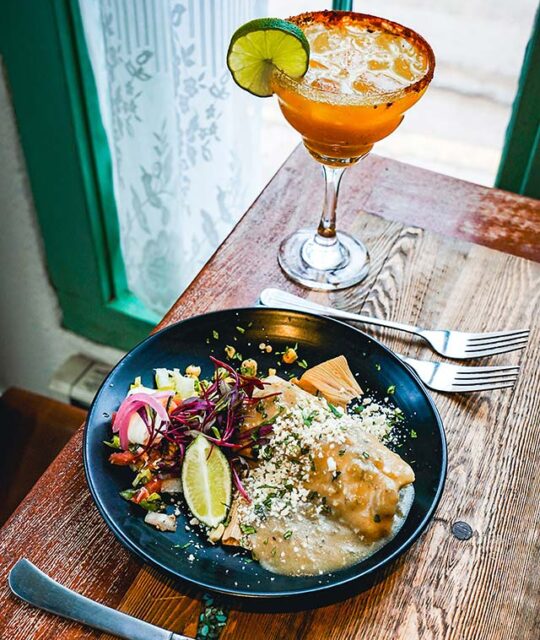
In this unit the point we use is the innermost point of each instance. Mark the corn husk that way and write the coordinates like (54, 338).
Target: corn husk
(333, 379)
(232, 534)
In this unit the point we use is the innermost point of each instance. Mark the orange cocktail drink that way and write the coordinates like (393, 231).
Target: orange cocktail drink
(364, 73)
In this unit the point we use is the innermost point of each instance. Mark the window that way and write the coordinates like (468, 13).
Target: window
(459, 126)
(68, 146)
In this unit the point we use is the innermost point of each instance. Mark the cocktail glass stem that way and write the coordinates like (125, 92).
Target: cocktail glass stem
(332, 180)
(324, 251)
(325, 258)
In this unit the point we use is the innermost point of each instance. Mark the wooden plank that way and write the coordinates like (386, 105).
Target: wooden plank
(59, 529)
(391, 190)
(443, 588)
(417, 283)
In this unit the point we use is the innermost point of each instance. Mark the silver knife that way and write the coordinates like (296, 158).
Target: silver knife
(36, 588)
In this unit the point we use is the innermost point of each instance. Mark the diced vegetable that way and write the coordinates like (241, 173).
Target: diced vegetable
(193, 371)
(162, 521)
(289, 355)
(249, 367)
(163, 380)
(122, 459)
(138, 387)
(184, 385)
(142, 477)
(114, 442)
(171, 485)
(152, 502)
(128, 494)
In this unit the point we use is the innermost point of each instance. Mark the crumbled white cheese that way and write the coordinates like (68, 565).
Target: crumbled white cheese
(276, 484)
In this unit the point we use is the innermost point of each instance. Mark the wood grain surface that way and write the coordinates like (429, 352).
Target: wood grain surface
(416, 225)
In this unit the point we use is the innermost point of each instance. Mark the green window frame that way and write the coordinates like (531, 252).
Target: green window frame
(69, 165)
(49, 72)
(519, 170)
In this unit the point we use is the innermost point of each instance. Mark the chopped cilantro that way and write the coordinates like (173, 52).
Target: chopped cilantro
(267, 452)
(325, 508)
(260, 408)
(334, 410)
(215, 335)
(260, 510)
(247, 529)
(365, 454)
(396, 418)
(378, 367)
(391, 389)
(287, 534)
(341, 452)
(414, 434)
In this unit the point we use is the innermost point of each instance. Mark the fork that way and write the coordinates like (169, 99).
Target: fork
(452, 378)
(451, 344)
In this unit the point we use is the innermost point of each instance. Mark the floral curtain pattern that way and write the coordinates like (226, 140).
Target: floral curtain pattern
(182, 136)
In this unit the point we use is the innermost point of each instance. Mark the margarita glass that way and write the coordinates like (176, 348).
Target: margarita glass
(364, 73)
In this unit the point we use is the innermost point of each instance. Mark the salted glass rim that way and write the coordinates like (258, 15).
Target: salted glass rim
(375, 98)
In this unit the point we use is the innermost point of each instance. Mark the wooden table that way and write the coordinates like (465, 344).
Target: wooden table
(432, 241)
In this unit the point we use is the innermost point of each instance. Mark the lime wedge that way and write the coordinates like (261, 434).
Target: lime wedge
(259, 46)
(206, 481)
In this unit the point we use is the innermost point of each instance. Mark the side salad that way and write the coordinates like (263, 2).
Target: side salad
(187, 436)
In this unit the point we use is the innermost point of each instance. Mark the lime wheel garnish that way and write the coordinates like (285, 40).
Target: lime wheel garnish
(260, 46)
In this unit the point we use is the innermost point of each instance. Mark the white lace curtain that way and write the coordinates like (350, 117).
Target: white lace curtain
(182, 136)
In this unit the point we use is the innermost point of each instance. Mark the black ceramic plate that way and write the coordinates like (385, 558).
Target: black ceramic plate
(231, 571)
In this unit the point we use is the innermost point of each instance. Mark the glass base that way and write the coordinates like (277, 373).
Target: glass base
(323, 263)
